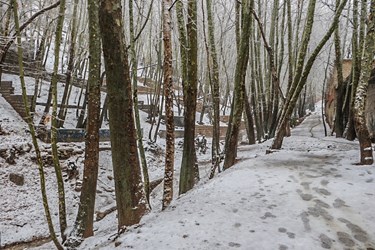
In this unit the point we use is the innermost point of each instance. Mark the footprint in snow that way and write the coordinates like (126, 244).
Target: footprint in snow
(324, 182)
(234, 244)
(305, 197)
(370, 180)
(283, 247)
(322, 191)
(357, 232)
(345, 239)
(326, 242)
(338, 203)
(306, 185)
(268, 215)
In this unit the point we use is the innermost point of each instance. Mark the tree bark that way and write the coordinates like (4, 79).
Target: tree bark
(72, 50)
(134, 63)
(239, 82)
(168, 93)
(56, 161)
(361, 129)
(188, 166)
(130, 197)
(340, 89)
(30, 124)
(357, 48)
(215, 90)
(83, 226)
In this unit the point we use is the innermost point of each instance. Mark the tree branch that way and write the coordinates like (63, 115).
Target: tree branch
(23, 26)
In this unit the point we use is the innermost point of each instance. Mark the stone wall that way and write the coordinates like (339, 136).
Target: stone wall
(205, 130)
(330, 102)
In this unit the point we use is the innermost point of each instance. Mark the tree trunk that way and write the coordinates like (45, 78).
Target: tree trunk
(340, 89)
(188, 165)
(239, 82)
(56, 161)
(301, 75)
(72, 50)
(249, 119)
(134, 63)
(168, 89)
(361, 129)
(130, 197)
(32, 131)
(85, 217)
(215, 90)
(357, 48)
(5, 48)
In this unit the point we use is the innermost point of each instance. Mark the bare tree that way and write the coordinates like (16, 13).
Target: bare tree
(83, 226)
(30, 123)
(361, 93)
(239, 81)
(168, 93)
(130, 196)
(188, 166)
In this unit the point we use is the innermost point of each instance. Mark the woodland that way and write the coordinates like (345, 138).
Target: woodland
(187, 87)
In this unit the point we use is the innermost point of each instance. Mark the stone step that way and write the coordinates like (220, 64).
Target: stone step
(16, 101)
(6, 88)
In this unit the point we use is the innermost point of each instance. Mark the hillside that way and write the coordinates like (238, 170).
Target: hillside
(309, 195)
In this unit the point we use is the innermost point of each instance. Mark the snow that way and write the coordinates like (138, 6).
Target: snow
(308, 195)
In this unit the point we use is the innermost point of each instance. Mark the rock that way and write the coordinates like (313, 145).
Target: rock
(3, 153)
(2, 131)
(11, 158)
(17, 179)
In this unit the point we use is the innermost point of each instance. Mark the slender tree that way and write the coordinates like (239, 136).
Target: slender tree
(239, 82)
(130, 196)
(4, 49)
(302, 70)
(55, 156)
(168, 93)
(134, 65)
(357, 48)
(30, 124)
(188, 166)
(83, 226)
(69, 73)
(340, 88)
(361, 93)
(215, 90)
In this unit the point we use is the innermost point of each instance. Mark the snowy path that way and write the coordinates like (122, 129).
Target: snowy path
(307, 196)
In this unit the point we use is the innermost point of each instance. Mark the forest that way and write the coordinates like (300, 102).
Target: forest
(187, 124)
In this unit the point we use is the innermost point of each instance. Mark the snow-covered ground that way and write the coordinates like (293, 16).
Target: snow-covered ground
(309, 195)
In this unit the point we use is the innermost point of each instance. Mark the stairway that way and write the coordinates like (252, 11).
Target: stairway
(16, 101)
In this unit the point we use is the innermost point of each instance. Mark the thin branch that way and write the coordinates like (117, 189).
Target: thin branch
(144, 24)
(23, 26)
(42, 11)
(270, 53)
(169, 9)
